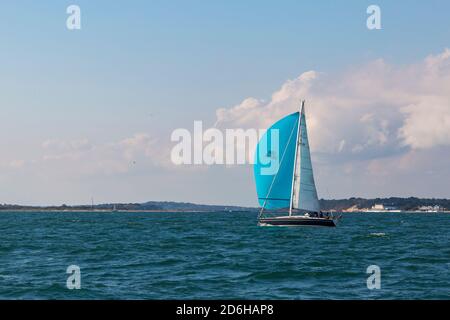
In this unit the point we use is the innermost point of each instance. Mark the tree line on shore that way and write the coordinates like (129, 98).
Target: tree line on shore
(406, 204)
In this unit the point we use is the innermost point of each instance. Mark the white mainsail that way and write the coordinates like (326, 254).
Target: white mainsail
(304, 193)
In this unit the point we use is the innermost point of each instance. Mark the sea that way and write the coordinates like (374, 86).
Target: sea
(222, 255)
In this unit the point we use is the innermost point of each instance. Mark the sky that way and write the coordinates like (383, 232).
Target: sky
(89, 113)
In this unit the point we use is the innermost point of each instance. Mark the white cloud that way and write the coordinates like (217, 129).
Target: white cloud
(375, 130)
(58, 144)
(81, 157)
(17, 164)
(427, 123)
(139, 144)
(376, 107)
(256, 113)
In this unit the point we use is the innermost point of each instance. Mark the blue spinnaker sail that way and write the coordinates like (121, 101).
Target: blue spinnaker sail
(274, 163)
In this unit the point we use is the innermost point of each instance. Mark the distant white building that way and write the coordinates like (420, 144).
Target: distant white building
(378, 207)
(435, 208)
(382, 208)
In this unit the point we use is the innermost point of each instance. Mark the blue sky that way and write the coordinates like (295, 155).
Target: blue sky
(148, 67)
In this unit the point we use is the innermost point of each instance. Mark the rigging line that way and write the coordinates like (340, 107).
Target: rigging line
(281, 161)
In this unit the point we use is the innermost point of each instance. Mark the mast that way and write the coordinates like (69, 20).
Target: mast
(296, 155)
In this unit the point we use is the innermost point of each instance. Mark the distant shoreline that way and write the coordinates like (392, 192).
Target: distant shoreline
(394, 212)
(360, 205)
(188, 211)
(116, 211)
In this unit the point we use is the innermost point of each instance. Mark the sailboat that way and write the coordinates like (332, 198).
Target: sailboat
(288, 195)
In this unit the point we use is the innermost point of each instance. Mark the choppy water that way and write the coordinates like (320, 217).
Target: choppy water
(221, 255)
